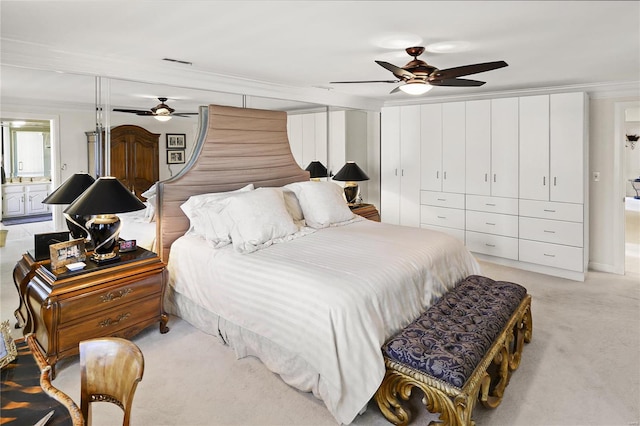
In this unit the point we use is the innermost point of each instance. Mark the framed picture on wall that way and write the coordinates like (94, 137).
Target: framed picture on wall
(176, 141)
(175, 157)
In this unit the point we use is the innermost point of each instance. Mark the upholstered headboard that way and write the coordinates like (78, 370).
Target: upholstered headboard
(236, 146)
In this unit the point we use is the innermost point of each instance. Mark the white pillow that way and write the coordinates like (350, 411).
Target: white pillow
(322, 203)
(257, 219)
(150, 195)
(200, 224)
(292, 204)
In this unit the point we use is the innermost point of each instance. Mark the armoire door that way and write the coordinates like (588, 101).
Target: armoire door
(134, 157)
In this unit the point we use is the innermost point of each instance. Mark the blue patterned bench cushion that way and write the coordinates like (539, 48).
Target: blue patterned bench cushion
(450, 339)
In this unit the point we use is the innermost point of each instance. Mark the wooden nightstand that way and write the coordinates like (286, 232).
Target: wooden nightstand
(62, 309)
(368, 211)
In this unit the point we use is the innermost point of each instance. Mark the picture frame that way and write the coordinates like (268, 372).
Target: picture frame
(8, 350)
(175, 157)
(176, 141)
(67, 252)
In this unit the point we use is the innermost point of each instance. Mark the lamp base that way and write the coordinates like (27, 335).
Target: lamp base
(103, 261)
(104, 230)
(351, 192)
(77, 228)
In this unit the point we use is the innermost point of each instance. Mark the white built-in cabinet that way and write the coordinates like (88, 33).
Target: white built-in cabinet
(492, 147)
(442, 139)
(507, 176)
(308, 137)
(400, 165)
(24, 199)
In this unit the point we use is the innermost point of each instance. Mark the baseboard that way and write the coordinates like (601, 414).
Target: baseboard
(603, 267)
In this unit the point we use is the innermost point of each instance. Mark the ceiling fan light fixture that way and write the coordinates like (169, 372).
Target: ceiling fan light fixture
(416, 87)
(162, 117)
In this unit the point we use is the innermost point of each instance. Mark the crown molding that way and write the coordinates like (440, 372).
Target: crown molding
(23, 54)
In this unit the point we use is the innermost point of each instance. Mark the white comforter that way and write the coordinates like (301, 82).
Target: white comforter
(331, 297)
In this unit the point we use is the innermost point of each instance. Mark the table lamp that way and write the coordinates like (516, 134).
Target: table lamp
(316, 170)
(351, 174)
(67, 193)
(104, 198)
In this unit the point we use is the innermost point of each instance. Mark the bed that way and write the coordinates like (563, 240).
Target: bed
(314, 303)
(140, 225)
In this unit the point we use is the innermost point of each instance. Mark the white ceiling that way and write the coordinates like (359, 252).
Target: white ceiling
(293, 49)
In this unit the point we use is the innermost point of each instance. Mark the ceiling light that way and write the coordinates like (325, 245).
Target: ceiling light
(162, 117)
(416, 87)
(448, 46)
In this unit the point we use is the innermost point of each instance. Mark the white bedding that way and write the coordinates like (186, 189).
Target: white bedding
(137, 226)
(329, 299)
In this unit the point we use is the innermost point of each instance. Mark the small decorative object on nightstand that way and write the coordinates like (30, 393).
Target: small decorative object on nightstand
(368, 211)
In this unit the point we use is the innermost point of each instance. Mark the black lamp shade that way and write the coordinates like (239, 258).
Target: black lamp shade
(350, 172)
(107, 195)
(70, 189)
(104, 198)
(316, 170)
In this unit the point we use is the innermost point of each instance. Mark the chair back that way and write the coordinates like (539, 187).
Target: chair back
(110, 369)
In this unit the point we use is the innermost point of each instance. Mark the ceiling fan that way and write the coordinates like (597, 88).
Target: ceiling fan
(419, 77)
(161, 112)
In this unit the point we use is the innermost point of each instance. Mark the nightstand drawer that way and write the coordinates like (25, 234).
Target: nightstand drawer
(108, 323)
(109, 297)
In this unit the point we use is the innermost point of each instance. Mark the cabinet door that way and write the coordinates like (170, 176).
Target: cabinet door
(34, 202)
(144, 167)
(478, 147)
(431, 147)
(567, 120)
(308, 139)
(320, 119)
(13, 204)
(504, 147)
(390, 165)
(453, 147)
(534, 147)
(294, 133)
(410, 165)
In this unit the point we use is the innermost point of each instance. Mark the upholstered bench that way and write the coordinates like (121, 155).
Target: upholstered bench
(463, 348)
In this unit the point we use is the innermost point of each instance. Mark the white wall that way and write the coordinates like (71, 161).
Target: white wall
(602, 194)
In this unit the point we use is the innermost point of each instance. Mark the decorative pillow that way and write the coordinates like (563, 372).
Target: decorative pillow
(292, 204)
(257, 219)
(322, 203)
(201, 223)
(150, 195)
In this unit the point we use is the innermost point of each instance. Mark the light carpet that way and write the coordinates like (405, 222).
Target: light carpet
(581, 368)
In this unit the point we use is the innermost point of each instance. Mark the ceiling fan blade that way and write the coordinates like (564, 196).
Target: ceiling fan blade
(132, 111)
(396, 70)
(395, 90)
(367, 81)
(458, 82)
(467, 69)
(184, 114)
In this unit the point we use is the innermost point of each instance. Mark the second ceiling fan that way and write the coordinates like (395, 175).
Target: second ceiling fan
(419, 77)
(161, 112)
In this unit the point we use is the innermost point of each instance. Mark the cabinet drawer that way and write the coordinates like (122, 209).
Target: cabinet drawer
(551, 231)
(456, 233)
(109, 322)
(555, 255)
(492, 223)
(441, 216)
(12, 189)
(109, 297)
(551, 210)
(494, 245)
(442, 199)
(492, 204)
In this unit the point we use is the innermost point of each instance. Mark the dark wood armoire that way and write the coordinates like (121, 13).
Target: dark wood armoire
(134, 157)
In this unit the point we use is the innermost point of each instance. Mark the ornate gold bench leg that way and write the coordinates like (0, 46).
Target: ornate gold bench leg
(387, 398)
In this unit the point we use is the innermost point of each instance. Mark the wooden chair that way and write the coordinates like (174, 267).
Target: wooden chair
(110, 369)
